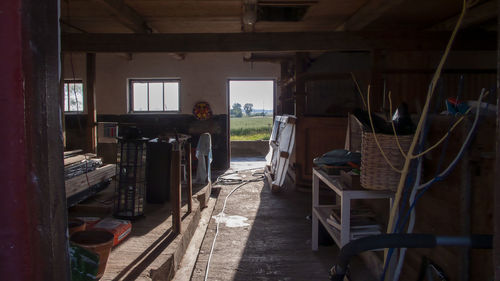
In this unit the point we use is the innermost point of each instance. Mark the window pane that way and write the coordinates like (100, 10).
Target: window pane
(75, 97)
(140, 96)
(171, 96)
(66, 97)
(156, 96)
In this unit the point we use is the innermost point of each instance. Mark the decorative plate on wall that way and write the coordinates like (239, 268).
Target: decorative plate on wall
(202, 111)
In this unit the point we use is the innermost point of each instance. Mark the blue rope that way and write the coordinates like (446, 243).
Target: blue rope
(396, 230)
(435, 179)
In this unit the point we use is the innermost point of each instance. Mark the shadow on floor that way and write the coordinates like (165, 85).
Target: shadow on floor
(138, 265)
(280, 241)
(274, 245)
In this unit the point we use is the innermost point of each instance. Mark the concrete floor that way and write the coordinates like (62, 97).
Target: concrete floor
(270, 238)
(244, 163)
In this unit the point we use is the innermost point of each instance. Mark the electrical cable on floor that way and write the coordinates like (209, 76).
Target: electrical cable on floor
(258, 176)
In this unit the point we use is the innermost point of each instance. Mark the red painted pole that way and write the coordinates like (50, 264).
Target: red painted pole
(16, 242)
(33, 244)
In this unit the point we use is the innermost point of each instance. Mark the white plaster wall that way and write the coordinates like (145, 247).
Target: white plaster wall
(203, 76)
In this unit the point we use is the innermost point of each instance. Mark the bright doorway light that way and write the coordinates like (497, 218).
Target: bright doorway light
(251, 104)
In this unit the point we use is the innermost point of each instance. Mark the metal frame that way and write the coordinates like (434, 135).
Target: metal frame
(66, 96)
(133, 164)
(131, 82)
(228, 99)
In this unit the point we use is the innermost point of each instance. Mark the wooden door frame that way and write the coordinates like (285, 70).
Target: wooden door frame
(228, 99)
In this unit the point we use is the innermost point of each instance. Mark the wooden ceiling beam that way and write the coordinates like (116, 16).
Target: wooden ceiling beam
(275, 58)
(475, 15)
(367, 14)
(126, 15)
(285, 41)
(72, 26)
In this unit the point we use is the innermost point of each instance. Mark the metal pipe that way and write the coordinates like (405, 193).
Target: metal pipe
(355, 247)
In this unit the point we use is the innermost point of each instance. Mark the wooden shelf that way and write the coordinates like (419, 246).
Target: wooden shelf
(323, 212)
(346, 194)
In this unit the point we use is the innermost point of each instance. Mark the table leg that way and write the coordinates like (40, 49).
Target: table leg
(315, 203)
(345, 220)
(315, 192)
(314, 232)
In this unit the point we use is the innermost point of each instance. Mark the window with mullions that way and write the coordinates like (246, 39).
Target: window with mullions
(73, 96)
(154, 95)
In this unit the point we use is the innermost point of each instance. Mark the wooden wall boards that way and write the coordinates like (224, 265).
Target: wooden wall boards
(315, 136)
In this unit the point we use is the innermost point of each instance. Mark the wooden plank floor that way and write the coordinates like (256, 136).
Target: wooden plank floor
(276, 243)
(150, 244)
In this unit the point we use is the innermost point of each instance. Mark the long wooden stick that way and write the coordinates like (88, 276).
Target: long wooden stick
(418, 131)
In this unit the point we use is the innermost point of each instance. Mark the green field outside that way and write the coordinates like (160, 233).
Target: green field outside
(251, 128)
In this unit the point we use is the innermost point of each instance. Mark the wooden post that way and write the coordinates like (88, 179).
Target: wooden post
(189, 176)
(496, 217)
(300, 110)
(91, 112)
(63, 99)
(281, 100)
(175, 189)
(34, 244)
(300, 85)
(465, 204)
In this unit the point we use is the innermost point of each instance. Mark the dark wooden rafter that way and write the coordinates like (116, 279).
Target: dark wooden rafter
(288, 3)
(72, 26)
(367, 14)
(126, 15)
(274, 58)
(475, 15)
(277, 41)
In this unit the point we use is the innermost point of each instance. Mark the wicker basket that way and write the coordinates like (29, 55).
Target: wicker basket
(375, 172)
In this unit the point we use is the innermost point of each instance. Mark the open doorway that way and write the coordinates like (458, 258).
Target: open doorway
(251, 105)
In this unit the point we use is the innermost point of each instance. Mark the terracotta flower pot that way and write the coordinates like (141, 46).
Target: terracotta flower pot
(97, 241)
(75, 225)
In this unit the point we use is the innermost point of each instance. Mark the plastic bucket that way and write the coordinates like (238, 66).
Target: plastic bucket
(97, 241)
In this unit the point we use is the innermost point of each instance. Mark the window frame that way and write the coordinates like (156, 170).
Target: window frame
(66, 101)
(130, 89)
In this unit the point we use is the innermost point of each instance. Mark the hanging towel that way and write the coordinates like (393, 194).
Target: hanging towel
(203, 149)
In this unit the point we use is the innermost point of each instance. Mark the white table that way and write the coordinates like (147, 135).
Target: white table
(346, 194)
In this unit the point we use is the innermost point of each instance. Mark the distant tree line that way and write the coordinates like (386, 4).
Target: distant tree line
(237, 110)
